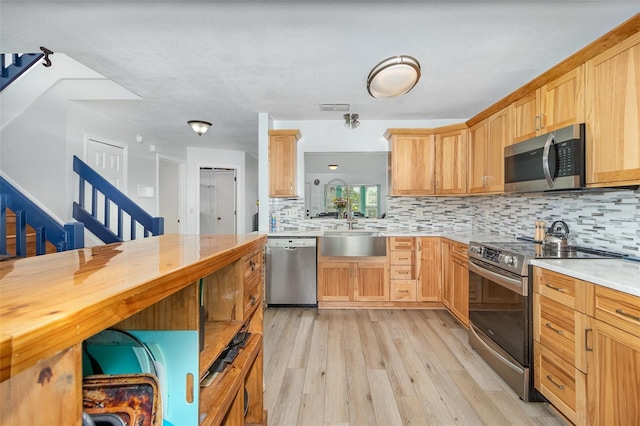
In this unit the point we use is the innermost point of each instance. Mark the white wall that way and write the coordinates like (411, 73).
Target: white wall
(203, 157)
(251, 190)
(43, 131)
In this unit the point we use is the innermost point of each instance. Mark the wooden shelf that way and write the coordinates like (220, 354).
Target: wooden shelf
(217, 335)
(216, 399)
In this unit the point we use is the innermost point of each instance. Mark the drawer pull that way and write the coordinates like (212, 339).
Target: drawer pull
(550, 378)
(403, 291)
(560, 332)
(561, 290)
(624, 314)
(253, 300)
(586, 340)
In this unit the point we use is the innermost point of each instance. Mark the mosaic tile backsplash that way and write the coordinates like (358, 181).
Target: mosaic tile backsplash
(608, 220)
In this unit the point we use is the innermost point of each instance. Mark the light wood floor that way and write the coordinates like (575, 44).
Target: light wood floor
(382, 367)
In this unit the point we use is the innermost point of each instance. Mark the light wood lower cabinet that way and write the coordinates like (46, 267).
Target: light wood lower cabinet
(402, 269)
(455, 279)
(353, 281)
(429, 274)
(587, 349)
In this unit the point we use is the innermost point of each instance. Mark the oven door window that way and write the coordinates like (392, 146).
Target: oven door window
(500, 314)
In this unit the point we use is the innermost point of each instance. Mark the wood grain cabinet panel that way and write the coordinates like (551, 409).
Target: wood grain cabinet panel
(429, 269)
(412, 161)
(552, 106)
(451, 161)
(587, 349)
(613, 115)
(282, 163)
(486, 152)
(335, 283)
(614, 376)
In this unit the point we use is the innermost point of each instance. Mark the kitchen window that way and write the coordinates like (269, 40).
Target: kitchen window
(364, 199)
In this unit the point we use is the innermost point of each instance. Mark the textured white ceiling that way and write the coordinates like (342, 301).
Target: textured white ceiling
(227, 61)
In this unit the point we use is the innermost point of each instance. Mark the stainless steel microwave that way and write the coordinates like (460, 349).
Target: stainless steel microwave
(550, 162)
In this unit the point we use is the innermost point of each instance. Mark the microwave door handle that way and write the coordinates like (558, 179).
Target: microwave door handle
(545, 159)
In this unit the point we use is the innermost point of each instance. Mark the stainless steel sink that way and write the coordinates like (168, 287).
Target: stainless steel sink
(352, 233)
(352, 243)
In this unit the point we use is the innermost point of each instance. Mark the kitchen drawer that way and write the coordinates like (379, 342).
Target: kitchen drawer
(403, 257)
(401, 272)
(252, 263)
(252, 296)
(251, 282)
(561, 383)
(403, 290)
(618, 309)
(563, 289)
(401, 243)
(459, 249)
(560, 329)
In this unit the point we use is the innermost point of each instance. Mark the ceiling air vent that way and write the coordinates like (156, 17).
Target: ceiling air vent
(334, 107)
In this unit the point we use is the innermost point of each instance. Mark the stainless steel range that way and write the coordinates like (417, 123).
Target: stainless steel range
(500, 311)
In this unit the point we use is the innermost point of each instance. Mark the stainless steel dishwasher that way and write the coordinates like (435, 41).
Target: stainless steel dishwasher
(291, 272)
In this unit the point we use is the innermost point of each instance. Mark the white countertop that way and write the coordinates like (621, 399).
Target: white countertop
(617, 274)
(621, 275)
(463, 237)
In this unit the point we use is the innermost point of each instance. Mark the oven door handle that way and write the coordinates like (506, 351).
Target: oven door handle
(495, 353)
(509, 283)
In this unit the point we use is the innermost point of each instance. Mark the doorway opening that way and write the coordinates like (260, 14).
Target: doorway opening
(218, 201)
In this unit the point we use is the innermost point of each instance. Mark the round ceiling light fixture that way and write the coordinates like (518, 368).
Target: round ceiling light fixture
(333, 167)
(199, 126)
(394, 76)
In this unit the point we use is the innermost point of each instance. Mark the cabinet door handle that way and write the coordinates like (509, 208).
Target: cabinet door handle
(536, 123)
(541, 121)
(419, 245)
(252, 264)
(560, 332)
(586, 340)
(624, 314)
(253, 300)
(550, 378)
(561, 290)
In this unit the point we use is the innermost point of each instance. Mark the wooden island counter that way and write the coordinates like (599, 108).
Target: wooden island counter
(50, 304)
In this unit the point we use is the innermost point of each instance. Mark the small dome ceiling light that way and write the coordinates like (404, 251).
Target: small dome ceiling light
(394, 76)
(333, 166)
(199, 126)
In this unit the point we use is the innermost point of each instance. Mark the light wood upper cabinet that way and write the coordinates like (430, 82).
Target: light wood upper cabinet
(486, 152)
(451, 161)
(282, 163)
(613, 115)
(554, 105)
(412, 161)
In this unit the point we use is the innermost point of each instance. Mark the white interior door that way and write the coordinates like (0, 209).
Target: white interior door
(217, 201)
(109, 160)
(225, 201)
(169, 195)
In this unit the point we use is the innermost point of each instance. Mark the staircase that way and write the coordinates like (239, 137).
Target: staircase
(105, 200)
(19, 63)
(27, 230)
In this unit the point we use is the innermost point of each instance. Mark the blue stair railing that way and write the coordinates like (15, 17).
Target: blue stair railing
(64, 237)
(110, 197)
(20, 62)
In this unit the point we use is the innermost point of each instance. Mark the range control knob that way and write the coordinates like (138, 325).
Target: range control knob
(474, 249)
(508, 260)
